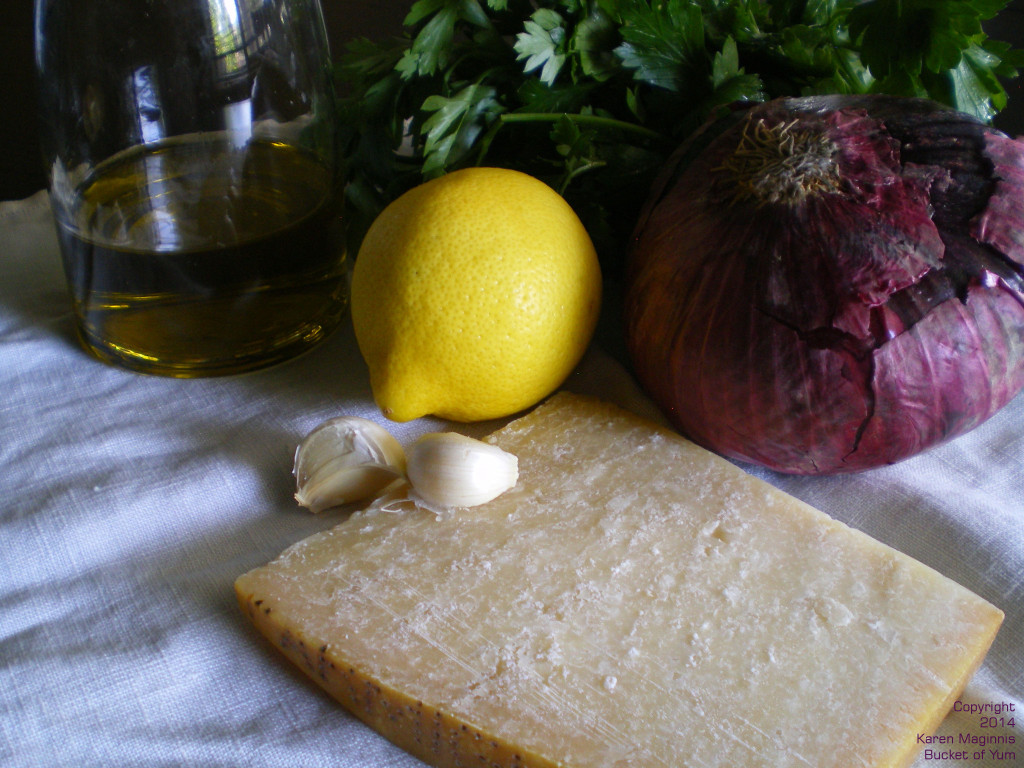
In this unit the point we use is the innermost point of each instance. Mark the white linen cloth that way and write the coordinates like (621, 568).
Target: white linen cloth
(129, 504)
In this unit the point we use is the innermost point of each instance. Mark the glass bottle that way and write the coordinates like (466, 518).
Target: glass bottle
(192, 168)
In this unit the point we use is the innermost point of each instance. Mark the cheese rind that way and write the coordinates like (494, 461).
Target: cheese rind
(634, 600)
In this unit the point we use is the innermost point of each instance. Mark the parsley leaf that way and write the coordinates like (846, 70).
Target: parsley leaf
(593, 95)
(542, 45)
(932, 48)
(661, 41)
(454, 125)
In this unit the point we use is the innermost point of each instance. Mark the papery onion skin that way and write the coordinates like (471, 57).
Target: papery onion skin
(846, 328)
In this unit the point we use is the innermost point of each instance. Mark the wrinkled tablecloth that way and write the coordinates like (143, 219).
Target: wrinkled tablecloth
(129, 504)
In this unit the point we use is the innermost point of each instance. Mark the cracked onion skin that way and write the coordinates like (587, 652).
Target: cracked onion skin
(830, 284)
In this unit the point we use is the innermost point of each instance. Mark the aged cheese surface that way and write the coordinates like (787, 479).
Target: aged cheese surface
(633, 601)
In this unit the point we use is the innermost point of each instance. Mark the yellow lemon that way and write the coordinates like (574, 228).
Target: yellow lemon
(474, 295)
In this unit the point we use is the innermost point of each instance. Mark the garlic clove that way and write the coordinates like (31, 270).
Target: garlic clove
(447, 469)
(344, 460)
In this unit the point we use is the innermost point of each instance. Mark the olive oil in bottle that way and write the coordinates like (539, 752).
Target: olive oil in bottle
(196, 257)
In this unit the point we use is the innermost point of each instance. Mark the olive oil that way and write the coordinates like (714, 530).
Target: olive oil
(196, 257)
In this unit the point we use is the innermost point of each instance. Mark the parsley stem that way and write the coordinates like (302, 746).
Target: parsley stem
(551, 117)
(595, 120)
(588, 166)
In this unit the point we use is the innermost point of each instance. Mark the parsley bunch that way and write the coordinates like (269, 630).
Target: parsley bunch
(592, 95)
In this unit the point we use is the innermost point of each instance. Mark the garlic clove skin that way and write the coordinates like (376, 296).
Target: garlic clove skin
(447, 469)
(344, 460)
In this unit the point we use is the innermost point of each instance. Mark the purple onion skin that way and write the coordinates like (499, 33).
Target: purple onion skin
(851, 327)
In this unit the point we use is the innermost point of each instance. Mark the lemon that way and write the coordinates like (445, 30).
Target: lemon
(474, 295)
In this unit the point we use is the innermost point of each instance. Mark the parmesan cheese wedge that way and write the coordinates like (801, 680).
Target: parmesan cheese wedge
(633, 601)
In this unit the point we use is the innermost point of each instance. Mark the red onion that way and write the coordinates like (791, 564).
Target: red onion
(830, 284)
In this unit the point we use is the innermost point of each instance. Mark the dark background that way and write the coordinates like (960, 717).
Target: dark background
(21, 171)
